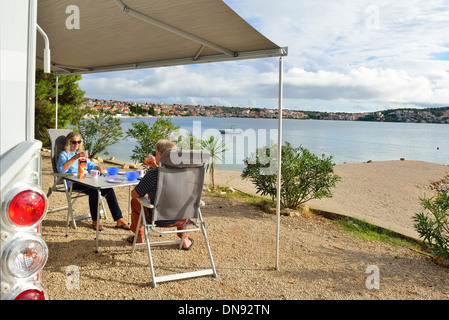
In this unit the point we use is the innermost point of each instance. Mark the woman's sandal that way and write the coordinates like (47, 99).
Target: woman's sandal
(123, 226)
(100, 227)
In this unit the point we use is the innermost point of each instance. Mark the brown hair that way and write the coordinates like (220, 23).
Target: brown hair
(68, 140)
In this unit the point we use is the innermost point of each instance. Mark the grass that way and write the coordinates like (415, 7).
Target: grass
(251, 199)
(356, 228)
(364, 230)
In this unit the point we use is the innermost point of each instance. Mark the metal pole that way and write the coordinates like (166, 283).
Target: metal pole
(279, 159)
(56, 118)
(179, 32)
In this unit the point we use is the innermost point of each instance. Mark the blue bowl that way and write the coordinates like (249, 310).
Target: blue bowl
(131, 176)
(112, 170)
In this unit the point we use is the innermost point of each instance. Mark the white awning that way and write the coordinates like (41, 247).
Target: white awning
(131, 34)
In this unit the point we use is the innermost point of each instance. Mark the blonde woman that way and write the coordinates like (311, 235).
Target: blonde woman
(68, 162)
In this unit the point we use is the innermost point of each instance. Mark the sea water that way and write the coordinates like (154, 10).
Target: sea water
(346, 141)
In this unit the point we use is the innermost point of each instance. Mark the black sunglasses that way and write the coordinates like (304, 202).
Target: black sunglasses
(75, 142)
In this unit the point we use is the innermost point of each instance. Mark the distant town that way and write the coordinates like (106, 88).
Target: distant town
(135, 109)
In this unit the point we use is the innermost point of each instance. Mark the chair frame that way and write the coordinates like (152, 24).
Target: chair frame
(53, 136)
(199, 225)
(196, 223)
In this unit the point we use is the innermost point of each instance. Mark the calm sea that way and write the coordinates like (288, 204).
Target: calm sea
(346, 141)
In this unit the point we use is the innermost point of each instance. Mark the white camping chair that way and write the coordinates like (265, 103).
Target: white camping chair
(57, 139)
(178, 197)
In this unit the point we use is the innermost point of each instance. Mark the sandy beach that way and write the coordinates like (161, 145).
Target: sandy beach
(318, 260)
(384, 193)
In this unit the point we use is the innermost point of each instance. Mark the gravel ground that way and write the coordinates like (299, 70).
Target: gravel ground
(317, 259)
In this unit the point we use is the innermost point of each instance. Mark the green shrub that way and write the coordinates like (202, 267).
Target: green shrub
(434, 228)
(304, 176)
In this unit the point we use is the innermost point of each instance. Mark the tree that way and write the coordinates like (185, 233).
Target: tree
(100, 132)
(216, 147)
(70, 98)
(304, 176)
(147, 136)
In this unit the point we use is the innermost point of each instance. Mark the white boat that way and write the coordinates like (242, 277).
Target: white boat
(231, 130)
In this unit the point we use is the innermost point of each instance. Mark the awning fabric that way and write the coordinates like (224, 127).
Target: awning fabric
(113, 36)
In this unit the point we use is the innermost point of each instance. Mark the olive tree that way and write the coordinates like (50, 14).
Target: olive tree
(147, 136)
(99, 132)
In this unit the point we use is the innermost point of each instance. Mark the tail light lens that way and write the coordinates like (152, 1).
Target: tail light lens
(31, 294)
(25, 256)
(26, 291)
(27, 208)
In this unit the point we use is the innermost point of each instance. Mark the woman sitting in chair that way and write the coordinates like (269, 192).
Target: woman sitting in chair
(68, 163)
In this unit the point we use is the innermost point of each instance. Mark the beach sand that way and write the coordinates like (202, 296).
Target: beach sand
(317, 259)
(384, 193)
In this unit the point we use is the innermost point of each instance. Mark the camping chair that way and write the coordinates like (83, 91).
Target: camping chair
(178, 197)
(57, 139)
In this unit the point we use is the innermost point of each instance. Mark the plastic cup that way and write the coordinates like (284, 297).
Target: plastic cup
(94, 173)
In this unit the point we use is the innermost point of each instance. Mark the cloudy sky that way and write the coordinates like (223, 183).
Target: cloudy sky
(345, 55)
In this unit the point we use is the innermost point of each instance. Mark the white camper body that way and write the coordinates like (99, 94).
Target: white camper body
(23, 252)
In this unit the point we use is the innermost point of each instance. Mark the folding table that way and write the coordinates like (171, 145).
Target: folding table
(99, 183)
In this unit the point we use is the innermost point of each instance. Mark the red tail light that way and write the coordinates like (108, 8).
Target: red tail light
(26, 291)
(32, 294)
(27, 208)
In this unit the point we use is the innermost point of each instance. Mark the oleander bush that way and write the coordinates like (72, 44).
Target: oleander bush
(304, 175)
(433, 224)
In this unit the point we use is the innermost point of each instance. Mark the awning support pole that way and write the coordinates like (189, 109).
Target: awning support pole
(279, 159)
(56, 112)
(172, 29)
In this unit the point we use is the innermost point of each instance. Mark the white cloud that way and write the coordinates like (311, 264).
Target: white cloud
(347, 54)
(367, 84)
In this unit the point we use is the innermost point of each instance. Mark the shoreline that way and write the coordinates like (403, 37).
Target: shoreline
(129, 164)
(384, 193)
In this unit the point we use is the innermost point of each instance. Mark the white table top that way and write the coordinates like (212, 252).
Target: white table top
(103, 182)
